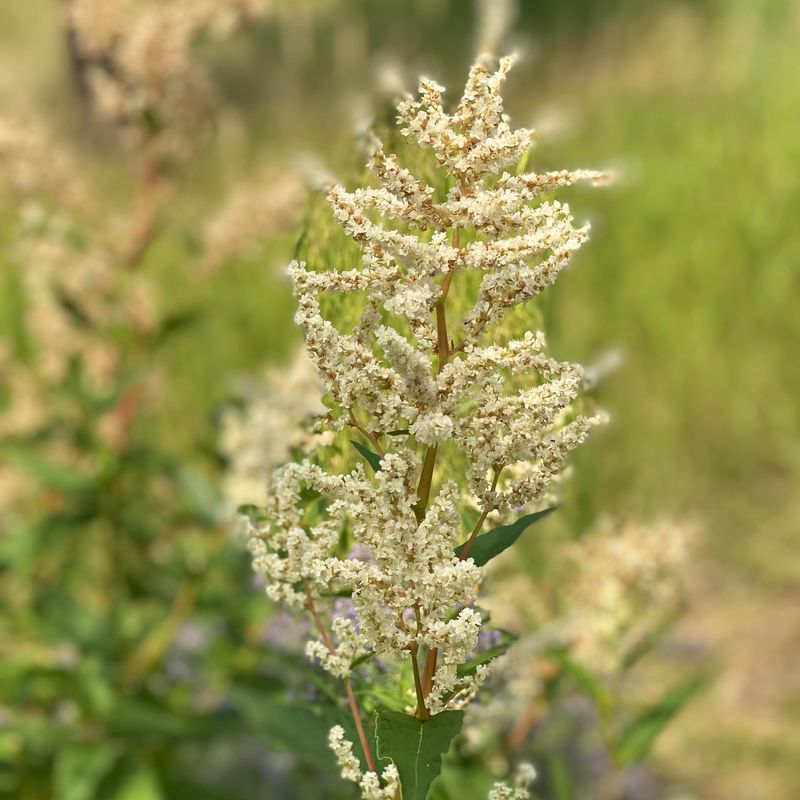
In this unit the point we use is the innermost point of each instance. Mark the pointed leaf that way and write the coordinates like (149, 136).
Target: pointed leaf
(142, 784)
(49, 473)
(300, 729)
(639, 736)
(373, 459)
(495, 541)
(485, 656)
(416, 747)
(593, 686)
(652, 639)
(559, 778)
(80, 768)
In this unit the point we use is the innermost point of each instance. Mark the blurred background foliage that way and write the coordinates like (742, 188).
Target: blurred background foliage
(135, 655)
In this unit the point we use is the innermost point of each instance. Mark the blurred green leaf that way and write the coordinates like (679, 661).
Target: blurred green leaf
(416, 747)
(80, 768)
(300, 729)
(199, 494)
(141, 784)
(592, 685)
(74, 310)
(144, 721)
(175, 324)
(460, 780)
(55, 476)
(559, 778)
(523, 162)
(254, 513)
(495, 541)
(651, 640)
(638, 737)
(469, 667)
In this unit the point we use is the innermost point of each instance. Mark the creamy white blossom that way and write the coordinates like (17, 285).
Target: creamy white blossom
(372, 788)
(409, 381)
(137, 65)
(274, 418)
(616, 588)
(523, 777)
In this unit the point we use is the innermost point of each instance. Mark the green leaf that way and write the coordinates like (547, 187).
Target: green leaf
(373, 459)
(177, 323)
(140, 785)
(199, 494)
(638, 737)
(256, 514)
(593, 687)
(523, 162)
(559, 778)
(652, 639)
(495, 541)
(301, 730)
(80, 768)
(416, 747)
(469, 667)
(461, 779)
(74, 310)
(49, 474)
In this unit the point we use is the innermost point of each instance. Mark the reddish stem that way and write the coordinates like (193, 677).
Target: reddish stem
(348, 686)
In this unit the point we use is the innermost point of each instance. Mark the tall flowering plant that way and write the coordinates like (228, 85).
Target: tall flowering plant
(387, 559)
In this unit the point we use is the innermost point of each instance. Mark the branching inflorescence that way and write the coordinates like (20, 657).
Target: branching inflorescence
(412, 380)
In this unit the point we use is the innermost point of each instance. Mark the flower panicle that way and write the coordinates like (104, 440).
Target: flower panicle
(430, 381)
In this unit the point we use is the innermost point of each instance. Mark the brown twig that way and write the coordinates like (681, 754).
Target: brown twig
(348, 686)
(433, 655)
(422, 712)
(372, 438)
(467, 548)
(147, 206)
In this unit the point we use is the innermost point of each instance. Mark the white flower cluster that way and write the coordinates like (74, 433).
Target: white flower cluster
(403, 594)
(31, 162)
(621, 584)
(270, 204)
(521, 249)
(493, 24)
(524, 776)
(273, 418)
(628, 580)
(506, 407)
(368, 782)
(135, 59)
(73, 296)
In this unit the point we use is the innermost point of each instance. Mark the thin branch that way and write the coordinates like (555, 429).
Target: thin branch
(372, 438)
(465, 551)
(348, 686)
(430, 670)
(425, 481)
(148, 204)
(433, 655)
(422, 710)
(443, 352)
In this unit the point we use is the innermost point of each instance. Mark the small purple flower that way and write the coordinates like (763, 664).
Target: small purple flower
(193, 637)
(258, 581)
(488, 639)
(286, 632)
(360, 553)
(343, 608)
